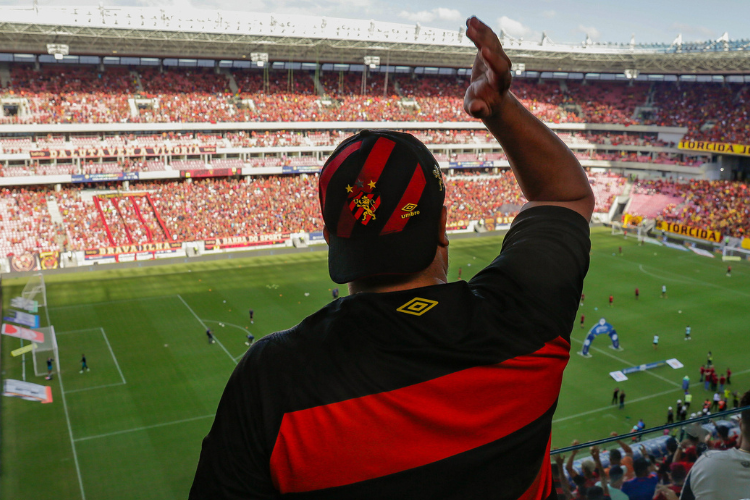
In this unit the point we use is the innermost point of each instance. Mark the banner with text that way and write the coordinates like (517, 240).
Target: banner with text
(27, 390)
(457, 225)
(208, 172)
(471, 164)
(106, 177)
(116, 152)
(22, 318)
(150, 248)
(29, 305)
(22, 333)
(693, 232)
(246, 241)
(716, 147)
(300, 169)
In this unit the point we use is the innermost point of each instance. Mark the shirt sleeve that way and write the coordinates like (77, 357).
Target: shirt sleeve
(537, 279)
(234, 459)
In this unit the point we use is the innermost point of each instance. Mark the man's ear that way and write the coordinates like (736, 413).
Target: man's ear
(326, 234)
(443, 236)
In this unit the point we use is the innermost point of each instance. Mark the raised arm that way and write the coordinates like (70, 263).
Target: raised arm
(625, 446)
(569, 464)
(546, 169)
(564, 484)
(600, 470)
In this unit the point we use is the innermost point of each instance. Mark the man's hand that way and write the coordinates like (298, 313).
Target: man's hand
(490, 76)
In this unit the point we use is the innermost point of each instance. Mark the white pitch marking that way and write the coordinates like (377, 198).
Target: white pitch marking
(206, 328)
(95, 387)
(146, 427)
(113, 302)
(627, 362)
(70, 433)
(113, 356)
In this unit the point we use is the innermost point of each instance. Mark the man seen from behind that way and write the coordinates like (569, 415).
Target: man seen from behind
(407, 388)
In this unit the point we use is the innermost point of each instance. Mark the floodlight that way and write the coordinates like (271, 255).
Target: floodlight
(259, 58)
(58, 50)
(372, 61)
(632, 74)
(518, 68)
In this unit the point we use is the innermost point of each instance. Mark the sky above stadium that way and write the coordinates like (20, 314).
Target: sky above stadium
(565, 21)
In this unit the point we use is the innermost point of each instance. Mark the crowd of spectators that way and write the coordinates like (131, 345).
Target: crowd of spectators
(711, 111)
(25, 222)
(284, 138)
(722, 206)
(69, 94)
(210, 208)
(695, 464)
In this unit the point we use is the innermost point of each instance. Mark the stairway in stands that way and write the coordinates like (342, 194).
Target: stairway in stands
(130, 219)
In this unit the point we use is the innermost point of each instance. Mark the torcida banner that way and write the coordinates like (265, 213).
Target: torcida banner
(716, 147)
(693, 232)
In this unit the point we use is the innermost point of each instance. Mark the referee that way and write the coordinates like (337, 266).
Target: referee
(410, 387)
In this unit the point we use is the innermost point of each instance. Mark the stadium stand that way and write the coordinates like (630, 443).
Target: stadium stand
(74, 94)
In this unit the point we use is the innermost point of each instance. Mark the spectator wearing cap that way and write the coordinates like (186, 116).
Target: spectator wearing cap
(725, 441)
(723, 475)
(335, 407)
(643, 485)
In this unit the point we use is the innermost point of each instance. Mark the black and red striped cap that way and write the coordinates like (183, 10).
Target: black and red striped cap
(381, 195)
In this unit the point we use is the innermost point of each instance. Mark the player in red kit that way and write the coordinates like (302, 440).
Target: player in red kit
(583, 319)
(637, 293)
(611, 300)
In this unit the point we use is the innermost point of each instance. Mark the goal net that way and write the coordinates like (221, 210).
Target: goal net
(46, 350)
(730, 254)
(35, 290)
(617, 228)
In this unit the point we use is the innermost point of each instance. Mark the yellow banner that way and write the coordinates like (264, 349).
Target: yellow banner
(745, 243)
(716, 147)
(631, 220)
(693, 232)
(23, 350)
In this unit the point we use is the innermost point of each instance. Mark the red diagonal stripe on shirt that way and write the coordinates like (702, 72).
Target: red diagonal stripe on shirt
(412, 194)
(381, 434)
(541, 487)
(331, 168)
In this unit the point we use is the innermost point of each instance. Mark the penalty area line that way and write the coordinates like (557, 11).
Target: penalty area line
(206, 328)
(145, 428)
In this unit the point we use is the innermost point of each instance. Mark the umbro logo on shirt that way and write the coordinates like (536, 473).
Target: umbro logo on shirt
(417, 306)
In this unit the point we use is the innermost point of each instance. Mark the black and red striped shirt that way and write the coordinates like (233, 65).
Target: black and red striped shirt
(445, 391)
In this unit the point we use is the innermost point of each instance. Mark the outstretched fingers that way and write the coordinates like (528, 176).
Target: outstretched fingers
(481, 34)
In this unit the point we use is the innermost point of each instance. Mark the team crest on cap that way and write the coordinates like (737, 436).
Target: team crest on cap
(363, 206)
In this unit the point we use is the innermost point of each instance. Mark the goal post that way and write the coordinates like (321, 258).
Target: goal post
(617, 228)
(45, 350)
(730, 254)
(35, 290)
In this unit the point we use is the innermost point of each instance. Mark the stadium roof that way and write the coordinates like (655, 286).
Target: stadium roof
(212, 34)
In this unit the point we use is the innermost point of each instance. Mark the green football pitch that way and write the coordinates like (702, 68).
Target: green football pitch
(132, 426)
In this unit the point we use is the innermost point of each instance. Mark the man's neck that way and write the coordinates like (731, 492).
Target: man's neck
(384, 286)
(435, 274)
